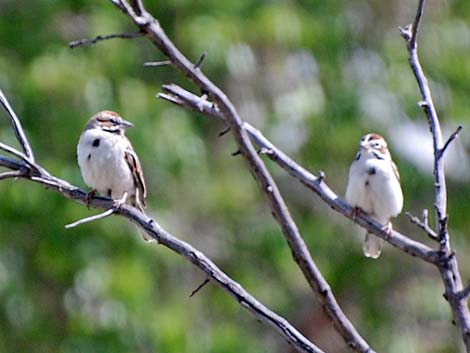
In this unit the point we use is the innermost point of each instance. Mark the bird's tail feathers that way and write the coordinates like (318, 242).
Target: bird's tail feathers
(143, 233)
(372, 246)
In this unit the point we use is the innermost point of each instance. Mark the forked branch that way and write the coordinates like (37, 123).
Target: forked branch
(448, 266)
(24, 169)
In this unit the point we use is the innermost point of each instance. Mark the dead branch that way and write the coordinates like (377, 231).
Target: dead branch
(151, 27)
(24, 169)
(448, 266)
(86, 42)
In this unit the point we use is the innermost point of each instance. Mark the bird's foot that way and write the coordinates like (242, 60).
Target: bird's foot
(354, 212)
(89, 196)
(387, 229)
(119, 202)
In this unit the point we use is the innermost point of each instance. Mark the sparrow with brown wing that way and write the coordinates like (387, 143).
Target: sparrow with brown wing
(108, 163)
(374, 187)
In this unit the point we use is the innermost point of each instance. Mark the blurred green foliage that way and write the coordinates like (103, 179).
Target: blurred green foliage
(313, 76)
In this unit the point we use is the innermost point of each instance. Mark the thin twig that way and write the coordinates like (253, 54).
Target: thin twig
(423, 224)
(9, 175)
(182, 97)
(18, 154)
(223, 132)
(17, 127)
(102, 215)
(415, 27)
(198, 64)
(301, 255)
(87, 42)
(199, 287)
(151, 227)
(157, 63)
(451, 138)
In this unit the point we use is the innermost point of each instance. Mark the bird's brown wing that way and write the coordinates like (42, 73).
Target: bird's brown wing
(137, 174)
(395, 170)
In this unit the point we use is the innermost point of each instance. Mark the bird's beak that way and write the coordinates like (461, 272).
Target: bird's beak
(126, 124)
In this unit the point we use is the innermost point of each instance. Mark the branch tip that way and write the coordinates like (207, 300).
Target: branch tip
(223, 132)
(199, 287)
(157, 63)
(451, 138)
(423, 104)
(199, 62)
(423, 224)
(17, 127)
(265, 151)
(405, 32)
(11, 175)
(88, 42)
(98, 216)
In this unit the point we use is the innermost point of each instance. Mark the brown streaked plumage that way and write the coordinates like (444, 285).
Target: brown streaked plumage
(108, 162)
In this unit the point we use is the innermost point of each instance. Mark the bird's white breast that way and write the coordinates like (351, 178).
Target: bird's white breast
(374, 187)
(101, 159)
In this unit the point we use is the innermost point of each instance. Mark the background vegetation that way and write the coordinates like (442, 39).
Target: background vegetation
(314, 76)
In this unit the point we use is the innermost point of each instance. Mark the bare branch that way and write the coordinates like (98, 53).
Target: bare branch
(180, 96)
(17, 128)
(198, 64)
(451, 138)
(448, 266)
(19, 154)
(217, 276)
(90, 219)
(157, 63)
(423, 224)
(234, 289)
(12, 164)
(415, 26)
(428, 106)
(86, 42)
(13, 151)
(199, 287)
(10, 175)
(266, 183)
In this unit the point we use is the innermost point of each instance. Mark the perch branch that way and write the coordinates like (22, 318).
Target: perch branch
(182, 97)
(448, 266)
(216, 275)
(148, 24)
(17, 128)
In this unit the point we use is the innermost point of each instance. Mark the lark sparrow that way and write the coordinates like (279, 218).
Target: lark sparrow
(108, 162)
(374, 187)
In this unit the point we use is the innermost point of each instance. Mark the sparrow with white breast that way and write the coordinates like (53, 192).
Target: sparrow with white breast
(374, 187)
(108, 163)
